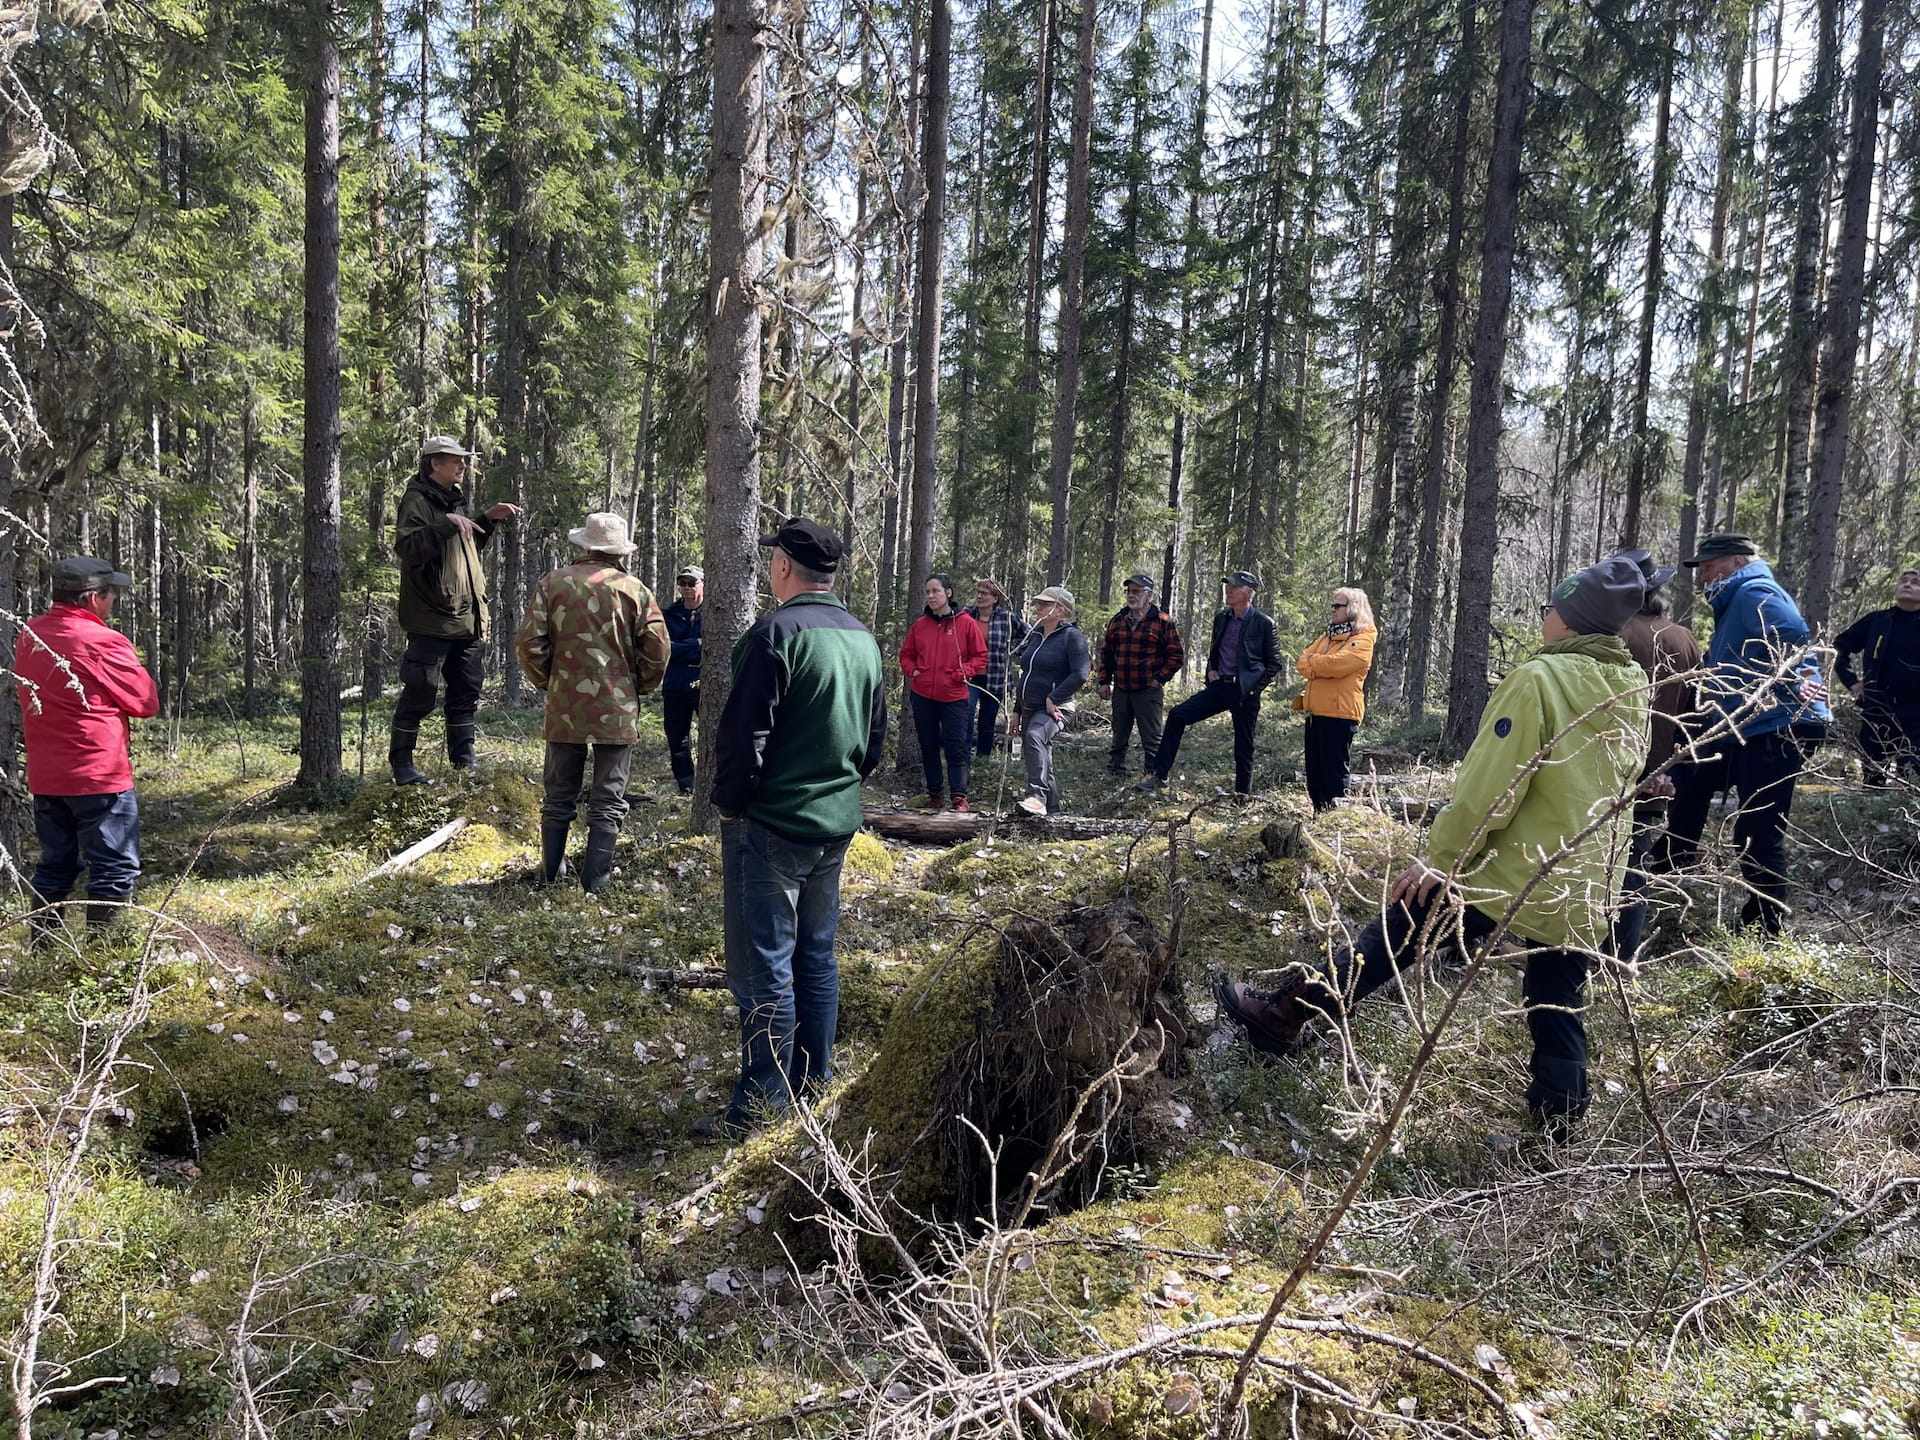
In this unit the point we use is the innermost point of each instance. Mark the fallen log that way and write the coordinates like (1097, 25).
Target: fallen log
(665, 978)
(415, 852)
(947, 827)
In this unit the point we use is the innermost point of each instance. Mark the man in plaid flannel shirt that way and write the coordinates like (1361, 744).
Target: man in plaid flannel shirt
(1141, 652)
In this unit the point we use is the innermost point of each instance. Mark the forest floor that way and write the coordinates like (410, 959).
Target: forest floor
(409, 1156)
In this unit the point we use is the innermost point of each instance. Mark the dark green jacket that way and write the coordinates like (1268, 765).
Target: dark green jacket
(804, 723)
(443, 591)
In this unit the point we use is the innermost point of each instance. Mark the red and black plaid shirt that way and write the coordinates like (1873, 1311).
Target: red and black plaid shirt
(1139, 657)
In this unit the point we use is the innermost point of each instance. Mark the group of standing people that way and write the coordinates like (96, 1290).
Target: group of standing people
(959, 666)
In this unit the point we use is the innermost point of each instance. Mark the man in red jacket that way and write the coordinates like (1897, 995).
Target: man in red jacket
(80, 685)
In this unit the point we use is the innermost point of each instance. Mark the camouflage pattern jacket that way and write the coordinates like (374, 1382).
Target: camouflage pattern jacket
(593, 638)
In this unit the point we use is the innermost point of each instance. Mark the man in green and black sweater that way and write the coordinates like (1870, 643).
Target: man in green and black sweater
(803, 725)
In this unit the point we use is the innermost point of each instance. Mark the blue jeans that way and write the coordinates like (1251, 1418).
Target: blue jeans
(983, 718)
(781, 901)
(101, 832)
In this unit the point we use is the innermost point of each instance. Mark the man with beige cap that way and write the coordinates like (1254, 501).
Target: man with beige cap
(443, 604)
(594, 640)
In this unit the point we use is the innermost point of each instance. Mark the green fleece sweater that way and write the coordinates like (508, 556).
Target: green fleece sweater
(1562, 738)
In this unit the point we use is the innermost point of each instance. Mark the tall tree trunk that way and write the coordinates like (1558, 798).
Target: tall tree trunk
(516, 387)
(937, 109)
(1758, 268)
(856, 378)
(374, 622)
(738, 177)
(1480, 498)
(320, 448)
(1039, 175)
(14, 817)
(1810, 152)
(1700, 389)
(1129, 297)
(249, 563)
(1639, 442)
(1073, 290)
(899, 392)
(1434, 487)
(1195, 181)
(1842, 324)
(964, 484)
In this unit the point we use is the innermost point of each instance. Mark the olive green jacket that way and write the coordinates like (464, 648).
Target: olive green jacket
(443, 591)
(1560, 744)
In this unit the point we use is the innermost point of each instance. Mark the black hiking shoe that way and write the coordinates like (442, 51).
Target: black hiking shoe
(1272, 1019)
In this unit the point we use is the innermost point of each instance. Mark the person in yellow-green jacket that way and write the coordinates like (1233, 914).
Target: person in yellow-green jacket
(1536, 835)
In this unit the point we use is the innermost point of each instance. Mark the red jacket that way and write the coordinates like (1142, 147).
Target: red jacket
(939, 655)
(75, 715)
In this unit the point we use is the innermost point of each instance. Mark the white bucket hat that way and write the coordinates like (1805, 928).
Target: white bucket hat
(444, 445)
(605, 532)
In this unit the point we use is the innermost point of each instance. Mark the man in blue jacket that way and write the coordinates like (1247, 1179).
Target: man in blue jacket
(1762, 699)
(680, 691)
(1243, 660)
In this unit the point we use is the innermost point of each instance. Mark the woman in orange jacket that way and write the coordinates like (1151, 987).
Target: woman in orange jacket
(1335, 668)
(942, 653)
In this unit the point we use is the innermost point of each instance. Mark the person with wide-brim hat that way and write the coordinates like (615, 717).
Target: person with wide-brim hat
(1055, 663)
(593, 638)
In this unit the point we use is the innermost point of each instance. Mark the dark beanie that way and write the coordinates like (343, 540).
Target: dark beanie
(1603, 597)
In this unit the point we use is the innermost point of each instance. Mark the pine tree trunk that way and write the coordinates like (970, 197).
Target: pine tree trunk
(1039, 175)
(1479, 531)
(1842, 321)
(1195, 181)
(1639, 442)
(1433, 488)
(374, 627)
(1129, 295)
(1073, 290)
(731, 552)
(320, 448)
(1810, 152)
(516, 399)
(249, 564)
(856, 379)
(936, 111)
(15, 816)
(1701, 385)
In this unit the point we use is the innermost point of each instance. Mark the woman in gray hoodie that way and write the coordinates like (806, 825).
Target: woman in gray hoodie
(1054, 663)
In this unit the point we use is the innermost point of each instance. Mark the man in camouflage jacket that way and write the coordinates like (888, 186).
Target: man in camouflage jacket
(593, 638)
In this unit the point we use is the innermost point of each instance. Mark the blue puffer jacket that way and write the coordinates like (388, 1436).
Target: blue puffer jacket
(1757, 629)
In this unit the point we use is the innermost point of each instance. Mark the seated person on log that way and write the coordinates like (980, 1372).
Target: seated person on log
(1532, 845)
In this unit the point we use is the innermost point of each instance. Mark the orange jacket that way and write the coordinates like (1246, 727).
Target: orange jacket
(1335, 667)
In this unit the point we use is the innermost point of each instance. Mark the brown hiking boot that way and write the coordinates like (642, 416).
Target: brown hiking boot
(1273, 1019)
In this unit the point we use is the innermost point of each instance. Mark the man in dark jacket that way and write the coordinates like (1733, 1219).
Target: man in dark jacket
(1888, 683)
(443, 604)
(80, 684)
(681, 690)
(803, 726)
(1139, 654)
(1761, 699)
(1243, 660)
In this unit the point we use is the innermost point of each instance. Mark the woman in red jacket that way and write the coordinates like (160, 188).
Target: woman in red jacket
(943, 650)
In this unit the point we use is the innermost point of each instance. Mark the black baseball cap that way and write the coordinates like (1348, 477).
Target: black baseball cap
(1142, 579)
(814, 546)
(1241, 577)
(86, 573)
(1725, 543)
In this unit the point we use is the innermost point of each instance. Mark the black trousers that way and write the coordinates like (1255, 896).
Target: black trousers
(1220, 697)
(425, 662)
(1763, 770)
(1329, 743)
(1554, 991)
(1890, 734)
(682, 706)
(942, 728)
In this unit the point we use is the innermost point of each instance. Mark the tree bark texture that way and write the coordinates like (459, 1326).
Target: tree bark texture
(738, 173)
(1073, 291)
(1844, 300)
(320, 447)
(1479, 530)
(1639, 440)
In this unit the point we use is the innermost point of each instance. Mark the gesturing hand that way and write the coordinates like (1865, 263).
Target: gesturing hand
(1415, 883)
(463, 525)
(505, 510)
